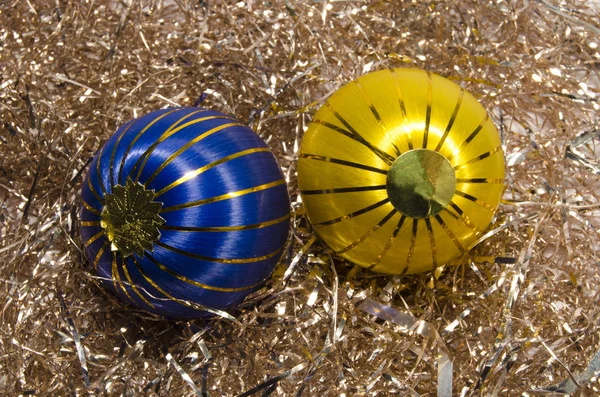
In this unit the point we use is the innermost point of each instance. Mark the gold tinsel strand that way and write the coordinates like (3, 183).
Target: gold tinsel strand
(518, 315)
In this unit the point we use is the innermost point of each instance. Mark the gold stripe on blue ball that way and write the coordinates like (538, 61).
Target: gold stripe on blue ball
(184, 212)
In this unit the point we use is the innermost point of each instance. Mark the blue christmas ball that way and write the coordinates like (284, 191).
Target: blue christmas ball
(184, 211)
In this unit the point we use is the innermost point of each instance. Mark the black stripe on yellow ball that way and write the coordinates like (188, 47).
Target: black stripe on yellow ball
(361, 131)
(343, 162)
(353, 134)
(389, 243)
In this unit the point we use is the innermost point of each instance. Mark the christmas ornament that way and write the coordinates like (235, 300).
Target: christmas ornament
(400, 171)
(184, 211)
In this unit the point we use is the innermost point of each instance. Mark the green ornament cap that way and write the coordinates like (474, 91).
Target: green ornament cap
(131, 218)
(421, 183)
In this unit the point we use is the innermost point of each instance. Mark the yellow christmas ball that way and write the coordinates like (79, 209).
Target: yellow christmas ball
(401, 171)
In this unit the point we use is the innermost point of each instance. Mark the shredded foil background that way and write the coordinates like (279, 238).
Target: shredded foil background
(518, 317)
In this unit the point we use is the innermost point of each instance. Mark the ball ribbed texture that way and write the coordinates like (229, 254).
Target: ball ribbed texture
(182, 209)
(400, 171)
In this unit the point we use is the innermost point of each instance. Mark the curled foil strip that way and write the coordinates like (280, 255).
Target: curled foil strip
(420, 327)
(518, 315)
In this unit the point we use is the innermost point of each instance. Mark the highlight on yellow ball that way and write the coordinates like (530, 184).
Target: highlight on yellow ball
(401, 171)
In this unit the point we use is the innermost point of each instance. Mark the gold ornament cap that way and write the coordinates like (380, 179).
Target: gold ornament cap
(131, 218)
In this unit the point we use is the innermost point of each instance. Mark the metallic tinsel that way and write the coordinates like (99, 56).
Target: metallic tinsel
(518, 316)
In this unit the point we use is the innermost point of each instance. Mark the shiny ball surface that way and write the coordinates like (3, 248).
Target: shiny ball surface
(401, 171)
(185, 211)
